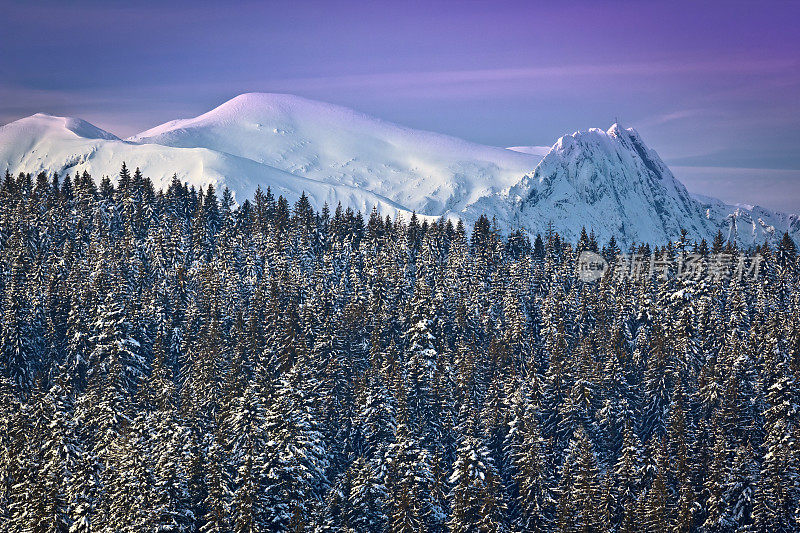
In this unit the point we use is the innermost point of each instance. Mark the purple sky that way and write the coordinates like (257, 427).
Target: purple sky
(714, 87)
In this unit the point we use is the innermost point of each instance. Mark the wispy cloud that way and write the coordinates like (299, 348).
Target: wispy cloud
(434, 78)
(529, 73)
(665, 118)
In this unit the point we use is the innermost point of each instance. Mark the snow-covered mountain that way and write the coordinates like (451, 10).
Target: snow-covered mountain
(749, 224)
(607, 181)
(58, 144)
(428, 172)
(612, 183)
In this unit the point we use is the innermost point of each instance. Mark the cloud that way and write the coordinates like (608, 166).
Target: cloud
(664, 118)
(527, 74)
(522, 76)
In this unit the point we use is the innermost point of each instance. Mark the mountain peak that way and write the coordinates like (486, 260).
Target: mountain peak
(611, 182)
(251, 105)
(255, 112)
(259, 99)
(615, 129)
(41, 124)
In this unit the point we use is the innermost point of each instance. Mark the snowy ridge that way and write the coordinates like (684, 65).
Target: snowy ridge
(607, 181)
(749, 223)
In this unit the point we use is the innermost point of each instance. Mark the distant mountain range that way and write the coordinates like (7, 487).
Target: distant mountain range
(607, 181)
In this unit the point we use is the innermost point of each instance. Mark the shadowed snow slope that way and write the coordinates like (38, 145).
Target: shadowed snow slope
(607, 181)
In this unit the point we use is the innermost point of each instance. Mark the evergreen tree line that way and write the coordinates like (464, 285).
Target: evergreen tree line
(175, 361)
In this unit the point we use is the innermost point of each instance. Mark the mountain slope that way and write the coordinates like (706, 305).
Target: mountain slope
(428, 172)
(33, 142)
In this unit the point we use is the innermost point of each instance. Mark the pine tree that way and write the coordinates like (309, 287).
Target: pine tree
(655, 512)
(217, 479)
(368, 497)
(627, 477)
(739, 485)
(421, 365)
(296, 464)
(248, 431)
(580, 491)
(714, 483)
(775, 501)
(61, 453)
(475, 502)
(124, 181)
(787, 250)
(679, 439)
(17, 343)
(409, 482)
(526, 452)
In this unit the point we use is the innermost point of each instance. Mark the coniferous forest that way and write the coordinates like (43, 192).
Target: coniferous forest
(177, 361)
